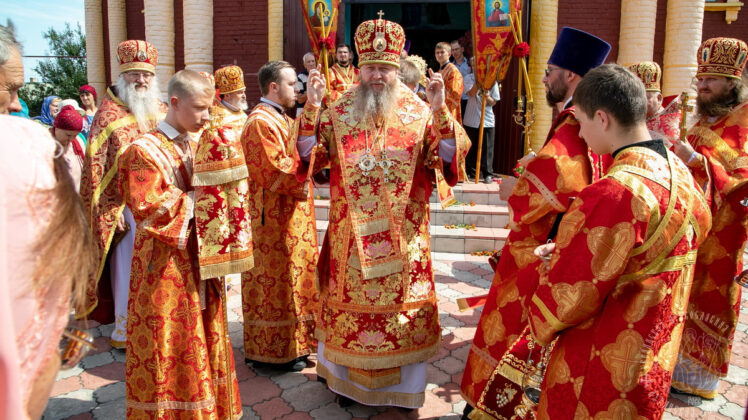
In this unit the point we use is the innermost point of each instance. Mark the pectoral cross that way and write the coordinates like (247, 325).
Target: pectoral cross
(381, 13)
(385, 163)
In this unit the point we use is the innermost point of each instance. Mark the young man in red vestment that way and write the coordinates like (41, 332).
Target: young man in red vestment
(663, 122)
(717, 154)
(611, 303)
(492, 380)
(452, 79)
(179, 358)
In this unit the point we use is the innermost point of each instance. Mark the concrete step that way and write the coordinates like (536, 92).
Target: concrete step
(464, 192)
(456, 241)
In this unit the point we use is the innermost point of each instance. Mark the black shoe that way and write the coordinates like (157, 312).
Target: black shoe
(344, 402)
(321, 380)
(488, 180)
(295, 365)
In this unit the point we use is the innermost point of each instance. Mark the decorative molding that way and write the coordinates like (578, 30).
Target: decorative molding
(731, 9)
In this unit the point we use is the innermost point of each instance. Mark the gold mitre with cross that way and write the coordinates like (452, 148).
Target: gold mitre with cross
(379, 41)
(649, 73)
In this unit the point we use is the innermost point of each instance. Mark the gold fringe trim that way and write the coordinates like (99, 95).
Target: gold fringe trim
(220, 176)
(374, 379)
(226, 268)
(390, 360)
(382, 270)
(381, 309)
(279, 360)
(372, 227)
(398, 399)
(688, 389)
(171, 405)
(478, 414)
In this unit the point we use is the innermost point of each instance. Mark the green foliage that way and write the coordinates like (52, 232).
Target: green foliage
(33, 94)
(64, 75)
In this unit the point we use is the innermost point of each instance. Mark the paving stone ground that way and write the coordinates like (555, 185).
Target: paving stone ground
(96, 389)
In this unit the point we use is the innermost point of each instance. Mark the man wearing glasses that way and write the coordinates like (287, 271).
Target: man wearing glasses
(537, 199)
(131, 108)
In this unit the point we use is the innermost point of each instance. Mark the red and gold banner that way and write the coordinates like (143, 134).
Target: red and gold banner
(321, 21)
(493, 40)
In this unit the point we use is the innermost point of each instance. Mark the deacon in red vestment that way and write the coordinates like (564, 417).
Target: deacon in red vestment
(131, 108)
(611, 305)
(662, 121)
(492, 382)
(717, 154)
(179, 361)
(343, 74)
(379, 322)
(452, 79)
(279, 294)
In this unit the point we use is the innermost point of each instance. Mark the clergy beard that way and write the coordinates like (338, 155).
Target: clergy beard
(370, 104)
(142, 104)
(719, 106)
(556, 93)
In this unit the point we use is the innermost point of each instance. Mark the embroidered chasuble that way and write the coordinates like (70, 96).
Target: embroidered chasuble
(222, 222)
(279, 297)
(666, 124)
(233, 119)
(179, 361)
(714, 307)
(112, 131)
(492, 382)
(342, 79)
(453, 89)
(378, 304)
(616, 290)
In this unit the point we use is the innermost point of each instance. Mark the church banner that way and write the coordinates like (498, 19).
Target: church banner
(493, 40)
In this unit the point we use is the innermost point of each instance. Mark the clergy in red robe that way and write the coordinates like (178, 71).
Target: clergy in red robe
(131, 108)
(611, 305)
(279, 295)
(492, 382)
(452, 79)
(179, 361)
(379, 321)
(717, 154)
(663, 121)
(343, 74)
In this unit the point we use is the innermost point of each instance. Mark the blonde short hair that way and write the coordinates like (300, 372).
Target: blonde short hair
(443, 46)
(188, 83)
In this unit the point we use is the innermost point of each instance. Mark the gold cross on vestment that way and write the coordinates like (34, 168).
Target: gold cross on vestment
(381, 13)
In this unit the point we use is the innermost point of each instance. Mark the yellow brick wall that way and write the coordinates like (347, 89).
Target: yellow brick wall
(275, 30)
(159, 30)
(95, 66)
(636, 40)
(543, 23)
(683, 26)
(198, 35)
(117, 23)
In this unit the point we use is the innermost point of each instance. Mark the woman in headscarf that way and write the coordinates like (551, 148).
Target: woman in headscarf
(49, 110)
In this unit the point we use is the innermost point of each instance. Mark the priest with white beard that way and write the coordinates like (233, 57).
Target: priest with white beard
(131, 108)
(231, 88)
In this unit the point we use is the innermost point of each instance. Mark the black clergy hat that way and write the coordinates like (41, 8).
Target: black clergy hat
(578, 51)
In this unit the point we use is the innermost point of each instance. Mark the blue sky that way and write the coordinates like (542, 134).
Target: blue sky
(32, 18)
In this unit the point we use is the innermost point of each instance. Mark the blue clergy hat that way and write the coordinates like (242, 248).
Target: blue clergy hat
(578, 51)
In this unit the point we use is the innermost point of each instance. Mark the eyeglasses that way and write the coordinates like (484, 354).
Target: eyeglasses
(138, 74)
(548, 71)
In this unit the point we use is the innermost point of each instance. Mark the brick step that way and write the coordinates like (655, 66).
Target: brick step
(454, 241)
(481, 215)
(464, 192)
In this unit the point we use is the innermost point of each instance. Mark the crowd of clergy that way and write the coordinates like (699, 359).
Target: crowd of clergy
(619, 283)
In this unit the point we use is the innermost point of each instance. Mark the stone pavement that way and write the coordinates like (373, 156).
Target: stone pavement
(96, 388)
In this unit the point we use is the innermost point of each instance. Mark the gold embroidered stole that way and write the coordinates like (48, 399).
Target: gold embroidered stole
(376, 202)
(667, 230)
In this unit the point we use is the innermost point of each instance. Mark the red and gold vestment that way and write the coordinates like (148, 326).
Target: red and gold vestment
(179, 360)
(666, 123)
(453, 89)
(715, 298)
(616, 290)
(279, 298)
(341, 79)
(496, 362)
(112, 131)
(378, 303)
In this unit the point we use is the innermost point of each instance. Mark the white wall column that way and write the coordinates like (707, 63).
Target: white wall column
(198, 35)
(159, 31)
